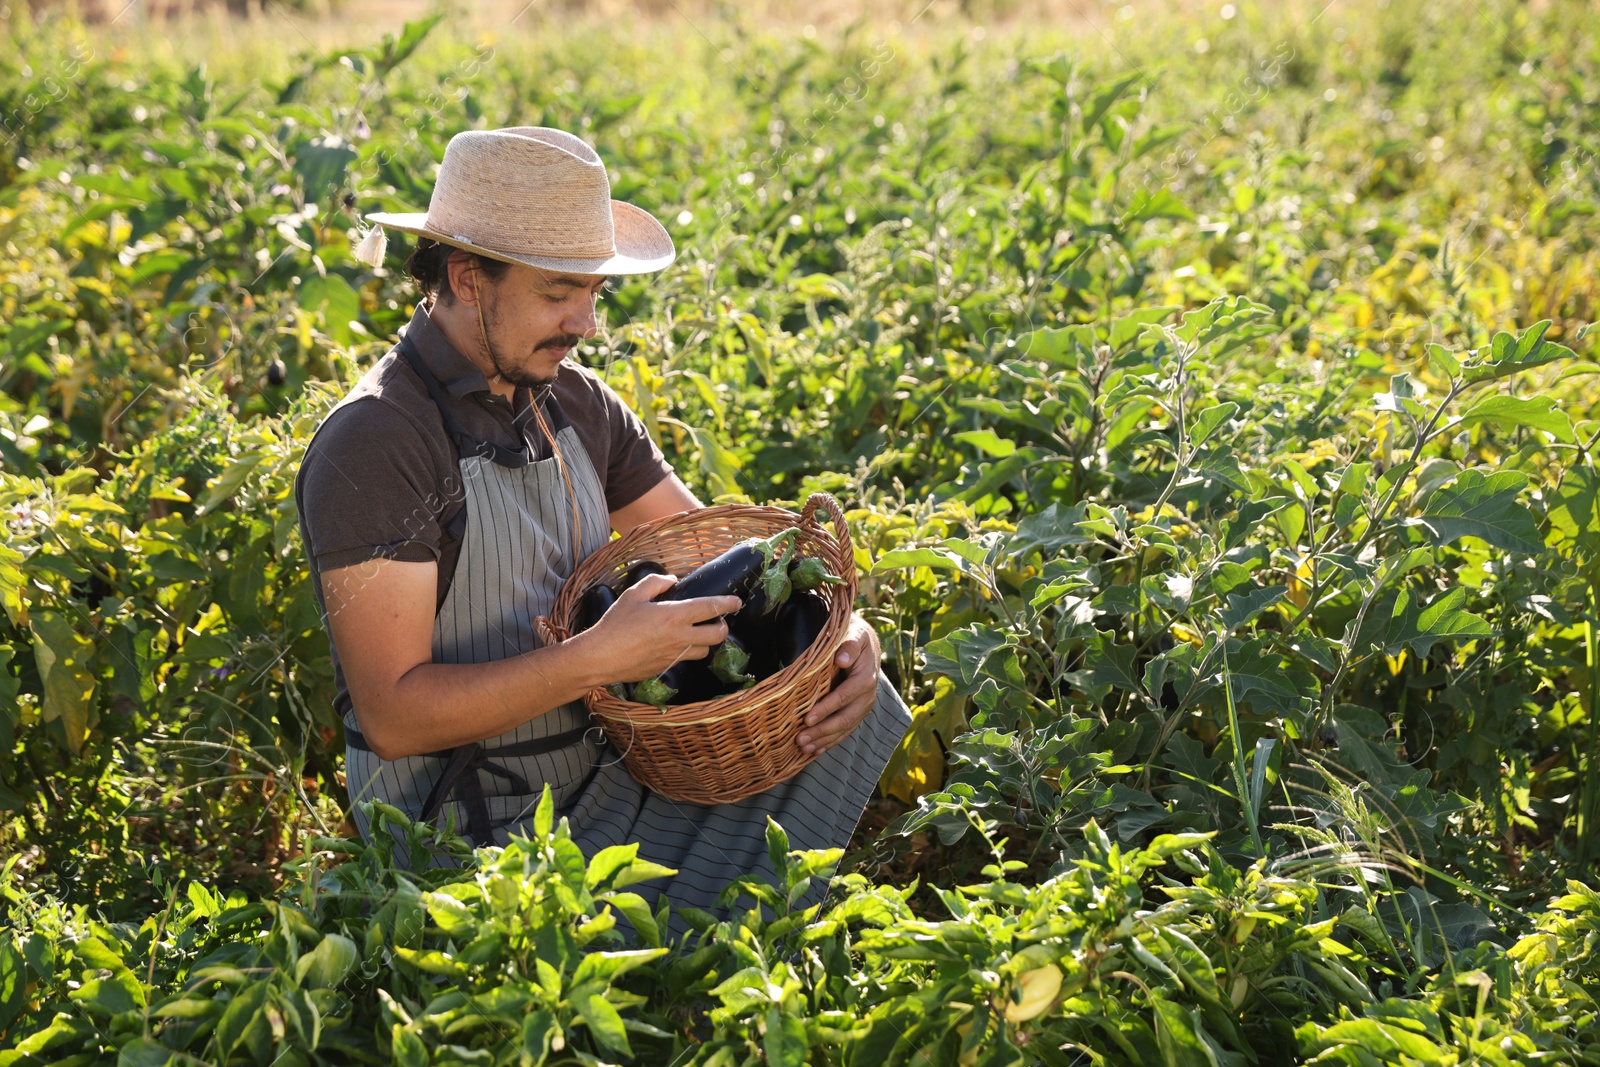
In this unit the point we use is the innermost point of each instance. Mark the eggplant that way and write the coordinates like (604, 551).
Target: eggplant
(686, 682)
(753, 626)
(750, 622)
(798, 625)
(633, 574)
(735, 572)
(595, 603)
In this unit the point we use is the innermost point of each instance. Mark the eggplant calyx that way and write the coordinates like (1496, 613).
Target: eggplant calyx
(730, 661)
(810, 573)
(654, 691)
(770, 546)
(775, 581)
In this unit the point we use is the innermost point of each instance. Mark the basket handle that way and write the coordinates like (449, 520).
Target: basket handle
(549, 633)
(826, 501)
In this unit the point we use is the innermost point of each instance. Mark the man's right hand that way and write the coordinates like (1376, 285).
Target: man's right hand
(638, 638)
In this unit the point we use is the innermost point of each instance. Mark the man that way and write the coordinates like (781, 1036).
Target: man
(447, 497)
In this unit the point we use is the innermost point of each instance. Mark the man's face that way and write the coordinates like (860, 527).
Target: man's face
(534, 319)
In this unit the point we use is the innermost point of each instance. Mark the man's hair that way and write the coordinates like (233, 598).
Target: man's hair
(429, 267)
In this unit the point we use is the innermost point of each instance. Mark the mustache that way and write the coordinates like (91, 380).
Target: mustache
(566, 340)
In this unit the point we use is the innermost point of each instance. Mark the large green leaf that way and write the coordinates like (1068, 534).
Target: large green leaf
(325, 966)
(1180, 1045)
(786, 1039)
(63, 657)
(965, 656)
(1534, 412)
(1443, 620)
(330, 298)
(13, 981)
(1507, 355)
(1483, 506)
(604, 1023)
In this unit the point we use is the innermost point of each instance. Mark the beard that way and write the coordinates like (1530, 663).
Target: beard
(527, 376)
(524, 375)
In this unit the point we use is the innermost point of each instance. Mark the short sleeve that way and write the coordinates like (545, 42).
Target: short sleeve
(369, 487)
(635, 465)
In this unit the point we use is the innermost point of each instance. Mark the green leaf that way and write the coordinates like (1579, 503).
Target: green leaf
(1160, 204)
(13, 982)
(607, 967)
(1240, 609)
(328, 964)
(410, 913)
(1180, 1045)
(1127, 328)
(537, 1031)
(1050, 530)
(407, 1048)
(1207, 420)
(634, 908)
(143, 1052)
(240, 1013)
(1535, 412)
(1507, 354)
(905, 558)
(221, 488)
(720, 465)
(1443, 361)
(1063, 346)
(1483, 506)
(110, 996)
(1443, 620)
(394, 52)
(1392, 1043)
(786, 1043)
(604, 1023)
(777, 847)
(963, 655)
(321, 163)
(641, 871)
(604, 865)
(987, 441)
(330, 298)
(63, 657)
(544, 815)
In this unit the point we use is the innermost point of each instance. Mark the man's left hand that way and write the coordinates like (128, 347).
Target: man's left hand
(831, 719)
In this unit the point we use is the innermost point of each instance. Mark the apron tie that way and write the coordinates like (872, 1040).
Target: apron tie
(460, 774)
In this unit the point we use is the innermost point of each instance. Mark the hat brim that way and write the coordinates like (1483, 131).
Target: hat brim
(642, 243)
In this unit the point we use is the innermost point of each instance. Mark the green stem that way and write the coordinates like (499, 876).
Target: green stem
(1587, 797)
(1241, 780)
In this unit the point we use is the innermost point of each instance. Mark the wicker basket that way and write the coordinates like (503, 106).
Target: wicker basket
(744, 743)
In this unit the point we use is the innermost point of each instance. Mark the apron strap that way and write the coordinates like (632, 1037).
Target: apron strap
(473, 757)
(466, 444)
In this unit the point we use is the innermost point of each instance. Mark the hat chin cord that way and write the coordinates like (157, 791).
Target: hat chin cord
(544, 428)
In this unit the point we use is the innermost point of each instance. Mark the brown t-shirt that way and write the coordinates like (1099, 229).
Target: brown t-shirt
(381, 475)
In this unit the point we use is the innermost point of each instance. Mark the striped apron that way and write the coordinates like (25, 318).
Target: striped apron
(516, 553)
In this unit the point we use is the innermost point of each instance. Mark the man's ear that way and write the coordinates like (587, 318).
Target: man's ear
(463, 270)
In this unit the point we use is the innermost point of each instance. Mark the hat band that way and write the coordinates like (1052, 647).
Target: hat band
(559, 253)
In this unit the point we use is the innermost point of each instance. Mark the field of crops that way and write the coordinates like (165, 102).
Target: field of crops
(1211, 390)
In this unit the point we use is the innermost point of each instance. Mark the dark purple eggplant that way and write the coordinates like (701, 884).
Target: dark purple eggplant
(752, 619)
(595, 603)
(686, 682)
(633, 574)
(799, 623)
(734, 573)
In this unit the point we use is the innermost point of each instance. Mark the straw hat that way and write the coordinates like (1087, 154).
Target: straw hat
(530, 195)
